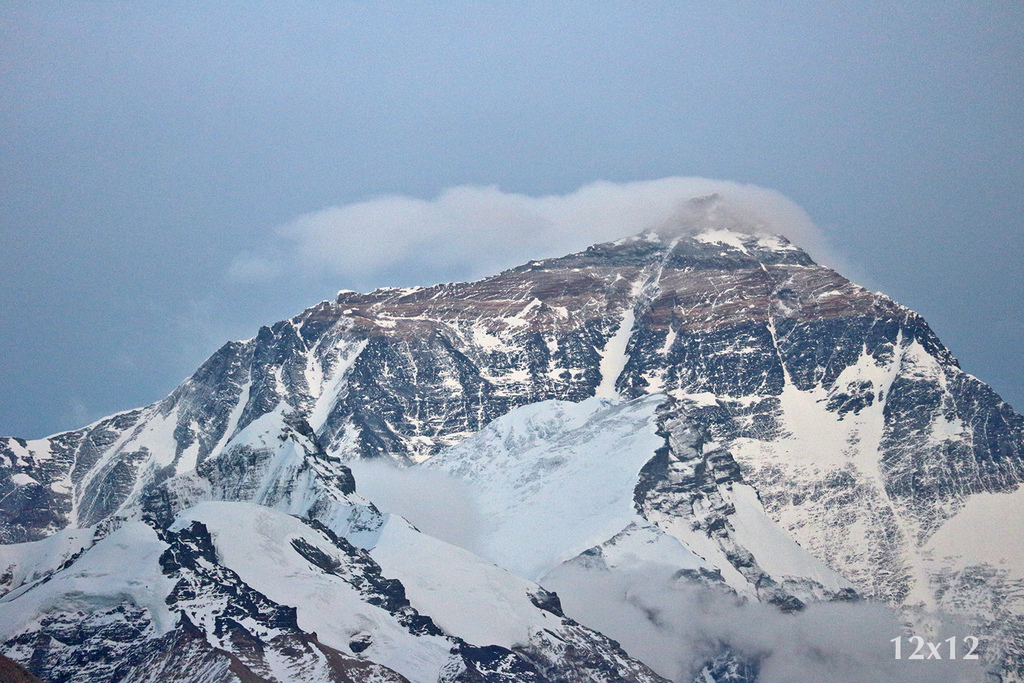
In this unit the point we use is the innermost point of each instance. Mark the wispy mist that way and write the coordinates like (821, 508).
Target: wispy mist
(435, 503)
(674, 626)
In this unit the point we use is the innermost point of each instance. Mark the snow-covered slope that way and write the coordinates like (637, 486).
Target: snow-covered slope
(151, 604)
(555, 479)
(545, 464)
(333, 592)
(529, 637)
(247, 591)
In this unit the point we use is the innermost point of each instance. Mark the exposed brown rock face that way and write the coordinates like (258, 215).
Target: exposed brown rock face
(12, 672)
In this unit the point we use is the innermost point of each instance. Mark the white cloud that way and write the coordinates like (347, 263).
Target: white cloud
(472, 231)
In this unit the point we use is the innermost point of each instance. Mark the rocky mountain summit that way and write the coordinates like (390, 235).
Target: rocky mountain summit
(678, 411)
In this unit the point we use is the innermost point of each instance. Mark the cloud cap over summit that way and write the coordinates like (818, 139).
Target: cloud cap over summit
(471, 231)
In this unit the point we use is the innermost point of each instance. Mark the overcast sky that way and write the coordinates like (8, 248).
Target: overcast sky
(166, 168)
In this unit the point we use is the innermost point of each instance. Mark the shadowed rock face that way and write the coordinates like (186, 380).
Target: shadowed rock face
(754, 341)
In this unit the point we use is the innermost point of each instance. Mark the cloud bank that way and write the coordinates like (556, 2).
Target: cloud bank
(470, 231)
(674, 626)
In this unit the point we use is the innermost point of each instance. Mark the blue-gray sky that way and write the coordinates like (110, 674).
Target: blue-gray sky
(150, 154)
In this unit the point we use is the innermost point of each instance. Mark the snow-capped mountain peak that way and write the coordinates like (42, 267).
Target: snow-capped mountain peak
(701, 405)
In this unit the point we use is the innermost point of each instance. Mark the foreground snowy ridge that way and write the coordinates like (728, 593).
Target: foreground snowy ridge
(683, 420)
